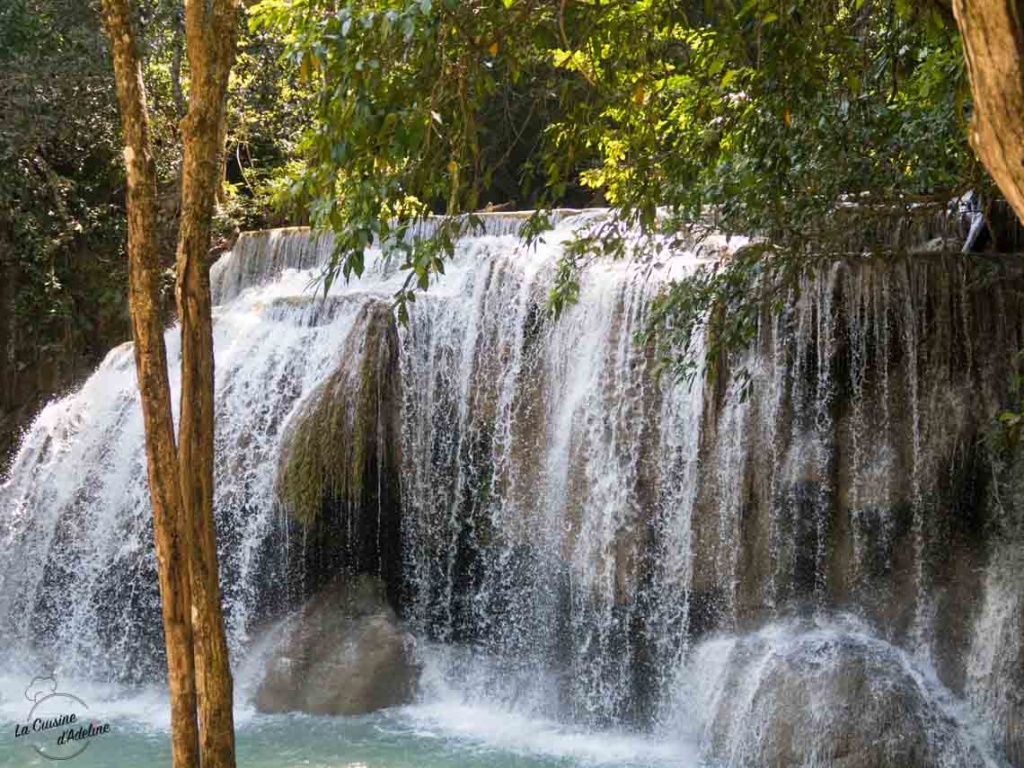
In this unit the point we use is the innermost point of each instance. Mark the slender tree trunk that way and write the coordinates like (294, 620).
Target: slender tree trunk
(993, 37)
(171, 528)
(210, 32)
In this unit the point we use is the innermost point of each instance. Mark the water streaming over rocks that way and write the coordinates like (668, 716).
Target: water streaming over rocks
(767, 567)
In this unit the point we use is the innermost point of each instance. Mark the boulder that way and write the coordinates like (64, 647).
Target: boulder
(786, 698)
(343, 653)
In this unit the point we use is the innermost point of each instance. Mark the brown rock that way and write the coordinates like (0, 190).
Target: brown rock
(343, 653)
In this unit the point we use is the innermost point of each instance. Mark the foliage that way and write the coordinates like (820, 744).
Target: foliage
(759, 118)
(61, 193)
(269, 109)
(267, 112)
(872, 119)
(344, 428)
(63, 270)
(60, 221)
(764, 118)
(421, 107)
(1005, 436)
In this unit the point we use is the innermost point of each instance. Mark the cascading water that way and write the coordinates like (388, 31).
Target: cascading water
(598, 563)
(532, 546)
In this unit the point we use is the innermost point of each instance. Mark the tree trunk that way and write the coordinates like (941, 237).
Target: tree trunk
(171, 528)
(993, 38)
(210, 32)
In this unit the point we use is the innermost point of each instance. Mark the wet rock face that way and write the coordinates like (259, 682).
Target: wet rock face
(784, 698)
(853, 472)
(995, 672)
(343, 653)
(338, 470)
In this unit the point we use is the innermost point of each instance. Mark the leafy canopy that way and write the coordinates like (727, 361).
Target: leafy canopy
(765, 117)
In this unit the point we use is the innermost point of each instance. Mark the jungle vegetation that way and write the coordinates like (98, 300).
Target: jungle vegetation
(795, 121)
(761, 116)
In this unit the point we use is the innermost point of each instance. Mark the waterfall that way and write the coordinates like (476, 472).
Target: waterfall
(570, 535)
(78, 582)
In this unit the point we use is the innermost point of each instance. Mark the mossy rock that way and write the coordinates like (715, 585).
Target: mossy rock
(338, 476)
(349, 423)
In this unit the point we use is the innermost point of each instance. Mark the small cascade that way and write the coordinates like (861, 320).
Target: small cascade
(571, 537)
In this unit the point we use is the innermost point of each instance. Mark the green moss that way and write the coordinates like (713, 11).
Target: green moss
(337, 435)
